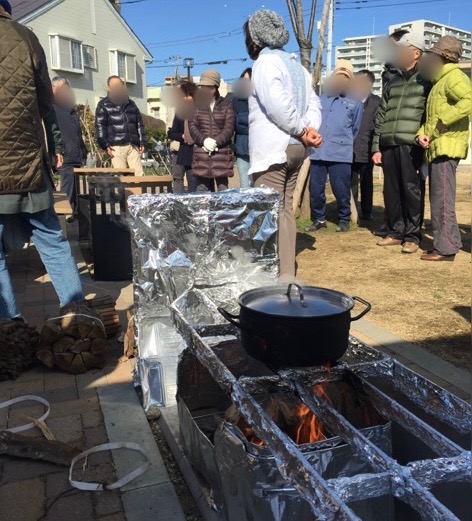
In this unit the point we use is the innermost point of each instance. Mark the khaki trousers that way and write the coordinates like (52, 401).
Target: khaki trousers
(127, 156)
(283, 179)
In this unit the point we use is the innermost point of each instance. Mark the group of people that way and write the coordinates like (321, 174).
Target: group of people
(418, 129)
(273, 121)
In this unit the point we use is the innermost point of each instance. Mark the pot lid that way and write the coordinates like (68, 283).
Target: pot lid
(296, 301)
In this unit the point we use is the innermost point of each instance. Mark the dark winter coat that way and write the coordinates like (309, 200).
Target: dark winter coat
(363, 142)
(387, 74)
(25, 100)
(401, 111)
(75, 151)
(175, 133)
(241, 139)
(119, 124)
(219, 125)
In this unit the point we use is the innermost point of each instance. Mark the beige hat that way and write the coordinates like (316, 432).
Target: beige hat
(412, 40)
(210, 78)
(448, 47)
(344, 67)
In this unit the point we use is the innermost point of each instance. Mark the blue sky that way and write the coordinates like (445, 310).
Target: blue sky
(209, 30)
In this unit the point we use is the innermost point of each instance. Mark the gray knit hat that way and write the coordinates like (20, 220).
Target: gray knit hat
(267, 29)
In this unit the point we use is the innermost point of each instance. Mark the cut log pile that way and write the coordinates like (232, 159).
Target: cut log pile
(105, 306)
(75, 341)
(18, 345)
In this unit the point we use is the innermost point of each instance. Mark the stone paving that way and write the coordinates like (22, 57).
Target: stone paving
(34, 490)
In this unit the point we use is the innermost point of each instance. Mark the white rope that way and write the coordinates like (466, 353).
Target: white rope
(79, 315)
(27, 398)
(81, 485)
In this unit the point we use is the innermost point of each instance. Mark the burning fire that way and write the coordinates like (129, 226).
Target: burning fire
(298, 421)
(310, 429)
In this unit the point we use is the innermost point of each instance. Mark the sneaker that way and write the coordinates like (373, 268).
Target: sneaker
(19, 318)
(389, 241)
(317, 225)
(410, 247)
(343, 226)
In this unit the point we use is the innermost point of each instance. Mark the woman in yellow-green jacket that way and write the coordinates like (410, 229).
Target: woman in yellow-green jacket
(445, 138)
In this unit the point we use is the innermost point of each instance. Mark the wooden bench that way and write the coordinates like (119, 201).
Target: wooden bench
(82, 176)
(110, 235)
(61, 204)
(151, 184)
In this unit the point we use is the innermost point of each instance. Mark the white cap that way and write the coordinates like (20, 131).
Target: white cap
(412, 40)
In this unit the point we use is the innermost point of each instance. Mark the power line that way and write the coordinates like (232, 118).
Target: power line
(213, 62)
(383, 5)
(210, 37)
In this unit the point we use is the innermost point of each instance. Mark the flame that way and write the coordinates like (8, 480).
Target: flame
(309, 428)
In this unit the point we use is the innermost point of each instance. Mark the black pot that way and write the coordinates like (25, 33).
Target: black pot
(283, 329)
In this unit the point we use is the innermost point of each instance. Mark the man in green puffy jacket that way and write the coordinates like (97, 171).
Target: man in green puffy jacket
(445, 138)
(401, 113)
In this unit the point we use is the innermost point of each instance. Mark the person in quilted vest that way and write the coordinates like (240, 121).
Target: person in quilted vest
(120, 128)
(26, 198)
(212, 129)
(399, 116)
(445, 139)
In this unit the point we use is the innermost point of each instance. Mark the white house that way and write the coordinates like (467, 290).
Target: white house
(87, 41)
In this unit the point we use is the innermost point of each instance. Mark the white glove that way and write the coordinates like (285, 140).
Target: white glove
(210, 144)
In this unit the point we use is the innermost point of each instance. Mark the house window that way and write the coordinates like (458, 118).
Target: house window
(90, 56)
(123, 65)
(66, 54)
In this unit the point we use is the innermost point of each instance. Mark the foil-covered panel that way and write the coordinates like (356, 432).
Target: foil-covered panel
(221, 243)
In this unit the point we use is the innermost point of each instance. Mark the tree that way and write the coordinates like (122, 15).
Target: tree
(305, 40)
(321, 44)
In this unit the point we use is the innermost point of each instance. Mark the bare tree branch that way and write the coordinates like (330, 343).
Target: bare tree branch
(305, 41)
(311, 23)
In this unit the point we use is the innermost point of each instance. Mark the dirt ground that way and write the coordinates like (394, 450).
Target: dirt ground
(427, 303)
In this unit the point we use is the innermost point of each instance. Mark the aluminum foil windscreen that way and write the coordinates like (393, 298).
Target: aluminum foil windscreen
(222, 244)
(210, 246)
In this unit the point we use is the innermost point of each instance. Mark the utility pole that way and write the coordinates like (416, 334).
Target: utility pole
(321, 44)
(177, 63)
(329, 50)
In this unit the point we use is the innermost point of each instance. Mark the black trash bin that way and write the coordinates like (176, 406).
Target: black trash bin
(111, 239)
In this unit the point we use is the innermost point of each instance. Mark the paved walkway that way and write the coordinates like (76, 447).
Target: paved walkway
(86, 410)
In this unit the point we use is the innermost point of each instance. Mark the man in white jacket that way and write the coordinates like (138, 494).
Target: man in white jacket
(284, 116)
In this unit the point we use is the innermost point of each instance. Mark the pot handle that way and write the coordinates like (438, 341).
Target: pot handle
(300, 292)
(233, 319)
(366, 310)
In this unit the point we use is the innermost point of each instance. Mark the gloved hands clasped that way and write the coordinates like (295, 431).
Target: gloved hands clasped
(210, 145)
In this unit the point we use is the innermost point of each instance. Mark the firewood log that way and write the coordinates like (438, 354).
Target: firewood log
(63, 344)
(21, 446)
(81, 345)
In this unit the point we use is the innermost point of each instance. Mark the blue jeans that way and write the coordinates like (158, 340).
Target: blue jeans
(243, 169)
(340, 180)
(55, 252)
